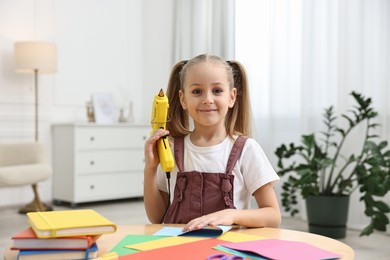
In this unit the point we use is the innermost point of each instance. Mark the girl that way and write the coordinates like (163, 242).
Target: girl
(217, 169)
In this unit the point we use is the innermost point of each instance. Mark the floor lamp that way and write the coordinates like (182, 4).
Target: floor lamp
(37, 58)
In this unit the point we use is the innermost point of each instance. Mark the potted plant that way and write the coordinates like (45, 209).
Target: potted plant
(321, 170)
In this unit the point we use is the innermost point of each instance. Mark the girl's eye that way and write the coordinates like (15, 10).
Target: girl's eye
(217, 91)
(196, 91)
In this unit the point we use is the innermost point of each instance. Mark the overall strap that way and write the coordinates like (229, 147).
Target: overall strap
(233, 157)
(235, 153)
(179, 152)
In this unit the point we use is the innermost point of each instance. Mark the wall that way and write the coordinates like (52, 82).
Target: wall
(120, 47)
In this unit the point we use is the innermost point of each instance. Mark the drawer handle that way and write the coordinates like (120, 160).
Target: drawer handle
(92, 162)
(92, 187)
(92, 138)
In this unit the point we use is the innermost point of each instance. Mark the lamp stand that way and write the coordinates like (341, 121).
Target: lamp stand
(36, 204)
(36, 104)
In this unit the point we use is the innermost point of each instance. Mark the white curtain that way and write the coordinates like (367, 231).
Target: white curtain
(303, 56)
(203, 26)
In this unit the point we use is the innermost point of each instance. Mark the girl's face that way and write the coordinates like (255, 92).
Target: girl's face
(207, 95)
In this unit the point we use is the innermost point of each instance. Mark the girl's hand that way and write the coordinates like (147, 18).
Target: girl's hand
(222, 217)
(150, 148)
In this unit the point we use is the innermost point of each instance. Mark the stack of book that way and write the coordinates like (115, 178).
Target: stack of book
(67, 234)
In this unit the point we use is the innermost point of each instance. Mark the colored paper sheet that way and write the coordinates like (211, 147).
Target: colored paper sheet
(246, 255)
(164, 242)
(238, 237)
(208, 231)
(177, 240)
(282, 249)
(200, 249)
(169, 231)
(131, 239)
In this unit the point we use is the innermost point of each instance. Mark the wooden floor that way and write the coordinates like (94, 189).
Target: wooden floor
(376, 246)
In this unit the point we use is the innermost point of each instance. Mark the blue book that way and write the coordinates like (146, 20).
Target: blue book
(90, 253)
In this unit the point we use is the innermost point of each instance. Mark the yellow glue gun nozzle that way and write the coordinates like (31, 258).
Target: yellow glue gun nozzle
(161, 93)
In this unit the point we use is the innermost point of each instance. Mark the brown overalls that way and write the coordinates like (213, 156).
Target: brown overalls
(200, 193)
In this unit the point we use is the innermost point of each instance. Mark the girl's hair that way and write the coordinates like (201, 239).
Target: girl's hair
(238, 118)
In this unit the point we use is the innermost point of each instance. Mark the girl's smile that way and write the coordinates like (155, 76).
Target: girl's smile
(207, 110)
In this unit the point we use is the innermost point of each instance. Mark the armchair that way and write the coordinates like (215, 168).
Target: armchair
(25, 164)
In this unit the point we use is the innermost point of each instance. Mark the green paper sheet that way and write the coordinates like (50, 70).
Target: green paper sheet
(129, 240)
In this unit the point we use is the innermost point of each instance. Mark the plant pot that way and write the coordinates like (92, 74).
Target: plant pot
(327, 215)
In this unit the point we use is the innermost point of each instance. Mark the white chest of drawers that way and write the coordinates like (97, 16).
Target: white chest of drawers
(94, 162)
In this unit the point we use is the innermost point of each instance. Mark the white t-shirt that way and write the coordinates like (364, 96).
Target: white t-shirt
(251, 171)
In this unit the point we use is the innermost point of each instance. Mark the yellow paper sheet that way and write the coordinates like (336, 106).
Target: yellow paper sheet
(164, 242)
(238, 237)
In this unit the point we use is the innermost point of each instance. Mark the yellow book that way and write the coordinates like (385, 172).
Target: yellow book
(65, 223)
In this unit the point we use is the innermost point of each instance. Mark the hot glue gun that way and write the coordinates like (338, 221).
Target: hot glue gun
(158, 121)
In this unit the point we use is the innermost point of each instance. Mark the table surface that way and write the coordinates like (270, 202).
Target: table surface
(108, 241)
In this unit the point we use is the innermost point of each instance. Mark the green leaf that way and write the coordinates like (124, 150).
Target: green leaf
(370, 185)
(382, 145)
(351, 122)
(341, 131)
(373, 125)
(383, 207)
(361, 171)
(368, 230)
(380, 221)
(369, 212)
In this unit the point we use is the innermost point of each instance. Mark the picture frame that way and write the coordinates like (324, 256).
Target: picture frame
(103, 107)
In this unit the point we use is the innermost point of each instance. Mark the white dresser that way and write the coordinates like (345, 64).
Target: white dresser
(95, 162)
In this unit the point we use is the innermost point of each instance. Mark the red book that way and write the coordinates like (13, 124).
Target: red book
(27, 240)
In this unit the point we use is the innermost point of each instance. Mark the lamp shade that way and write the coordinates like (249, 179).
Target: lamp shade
(35, 56)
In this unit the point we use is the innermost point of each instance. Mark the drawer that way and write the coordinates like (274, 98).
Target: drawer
(110, 137)
(115, 185)
(115, 160)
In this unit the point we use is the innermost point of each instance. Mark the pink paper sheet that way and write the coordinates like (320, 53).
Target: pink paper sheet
(283, 249)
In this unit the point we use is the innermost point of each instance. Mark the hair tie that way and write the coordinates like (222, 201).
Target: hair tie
(229, 62)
